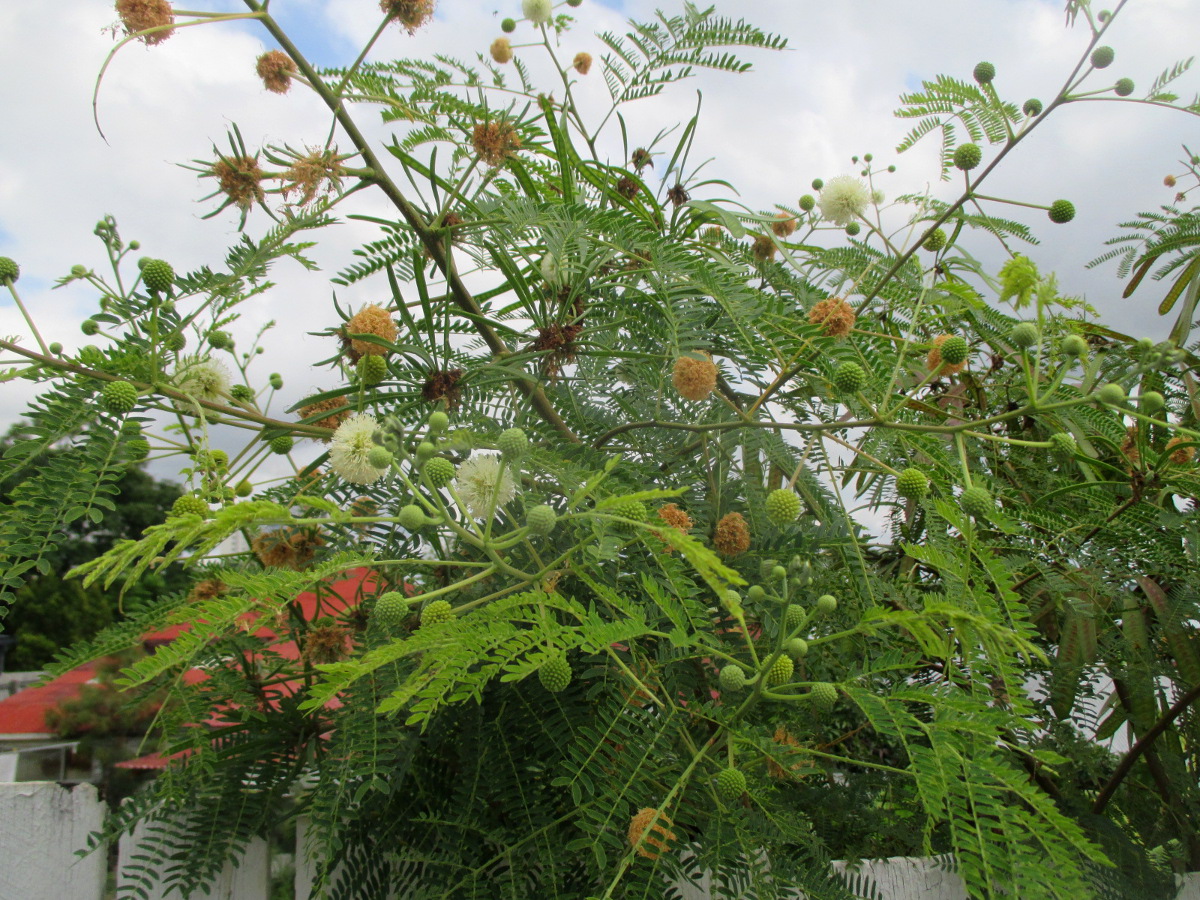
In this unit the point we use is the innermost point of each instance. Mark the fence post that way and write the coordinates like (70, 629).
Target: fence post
(41, 827)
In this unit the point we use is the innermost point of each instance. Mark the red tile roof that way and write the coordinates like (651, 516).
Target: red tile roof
(23, 714)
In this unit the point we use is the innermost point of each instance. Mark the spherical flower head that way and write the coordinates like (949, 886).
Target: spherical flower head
(834, 315)
(1102, 57)
(660, 836)
(484, 483)
(350, 451)
(1019, 277)
(781, 671)
(731, 784)
(555, 673)
(694, 378)
(140, 15)
(371, 319)
(783, 226)
(967, 156)
(1033, 107)
(276, 69)
(1123, 87)
(732, 535)
(582, 63)
(1061, 212)
(202, 378)
(940, 366)
(763, 248)
(9, 270)
(977, 502)
(808, 203)
(912, 484)
(539, 12)
(508, 26)
(844, 199)
(984, 72)
(675, 517)
(1063, 444)
(1024, 335)
(782, 506)
(494, 142)
(412, 14)
(501, 50)
(936, 240)
(732, 678)
(326, 406)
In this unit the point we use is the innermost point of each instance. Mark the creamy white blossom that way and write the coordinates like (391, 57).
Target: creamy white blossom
(537, 11)
(482, 480)
(844, 199)
(202, 378)
(350, 448)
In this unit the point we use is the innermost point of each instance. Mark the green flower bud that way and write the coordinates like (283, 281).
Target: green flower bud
(984, 72)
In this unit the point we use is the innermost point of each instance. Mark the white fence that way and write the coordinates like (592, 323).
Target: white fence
(42, 825)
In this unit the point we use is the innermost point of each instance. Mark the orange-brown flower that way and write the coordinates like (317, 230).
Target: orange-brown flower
(501, 50)
(784, 225)
(732, 535)
(371, 319)
(764, 247)
(786, 742)
(325, 406)
(582, 63)
(495, 142)
(638, 826)
(694, 378)
(412, 14)
(675, 517)
(934, 359)
(318, 171)
(139, 15)
(1169, 181)
(240, 179)
(678, 195)
(276, 69)
(1182, 455)
(834, 315)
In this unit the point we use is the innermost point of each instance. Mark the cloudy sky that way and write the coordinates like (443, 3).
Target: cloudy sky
(800, 114)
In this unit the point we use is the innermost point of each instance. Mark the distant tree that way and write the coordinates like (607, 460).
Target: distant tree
(49, 612)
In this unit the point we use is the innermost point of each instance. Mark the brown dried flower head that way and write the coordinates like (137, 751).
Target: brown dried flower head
(1181, 456)
(412, 14)
(286, 548)
(582, 63)
(443, 385)
(642, 158)
(207, 589)
(1129, 448)
(787, 742)
(276, 69)
(239, 179)
(371, 319)
(784, 225)
(495, 142)
(934, 359)
(732, 535)
(318, 171)
(628, 188)
(501, 50)
(678, 195)
(764, 247)
(326, 406)
(660, 835)
(834, 315)
(1169, 181)
(326, 643)
(694, 378)
(139, 15)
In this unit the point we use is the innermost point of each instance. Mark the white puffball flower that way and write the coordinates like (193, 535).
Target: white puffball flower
(350, 448)
(537, 11)
(844, 199)
(878, 197)
(481, 479)
(202, 378)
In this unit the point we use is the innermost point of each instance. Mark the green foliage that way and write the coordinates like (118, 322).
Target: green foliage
(483, 674)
